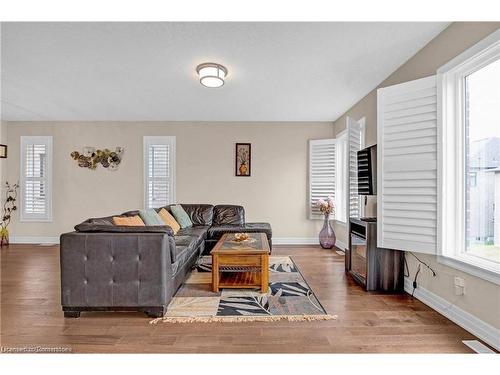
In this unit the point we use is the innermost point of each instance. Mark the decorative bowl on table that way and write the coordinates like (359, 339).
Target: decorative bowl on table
(240, 237)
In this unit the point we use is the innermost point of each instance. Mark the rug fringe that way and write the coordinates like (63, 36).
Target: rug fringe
(240, 319)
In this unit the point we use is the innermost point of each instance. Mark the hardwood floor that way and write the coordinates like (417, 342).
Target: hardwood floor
(367, 322)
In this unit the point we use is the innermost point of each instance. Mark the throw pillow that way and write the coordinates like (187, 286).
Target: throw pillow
(131, 221)
(150, 217)
(181, 216)
(169, 220)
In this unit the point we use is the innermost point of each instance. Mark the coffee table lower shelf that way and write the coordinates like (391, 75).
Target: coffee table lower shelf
(239, 279)
(229, 272)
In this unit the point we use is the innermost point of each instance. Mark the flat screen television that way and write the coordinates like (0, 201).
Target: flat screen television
(367, 171)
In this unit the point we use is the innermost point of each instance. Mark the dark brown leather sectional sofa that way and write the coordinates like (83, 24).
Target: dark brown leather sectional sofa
(115, 268)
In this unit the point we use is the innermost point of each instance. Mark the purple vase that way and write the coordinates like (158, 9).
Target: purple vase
(327, 235)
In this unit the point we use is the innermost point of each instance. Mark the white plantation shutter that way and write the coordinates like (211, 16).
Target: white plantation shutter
(407, 166)
(355, 143)
(36, 165)
(341, 188)
(321, 173)
(159, 171)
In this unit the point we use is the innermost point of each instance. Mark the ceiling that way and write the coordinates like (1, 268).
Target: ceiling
(146, 71)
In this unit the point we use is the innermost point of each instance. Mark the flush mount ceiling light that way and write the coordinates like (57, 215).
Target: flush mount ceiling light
(211, 74)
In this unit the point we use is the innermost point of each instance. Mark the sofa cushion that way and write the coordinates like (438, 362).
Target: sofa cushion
(183, 240)
(180, 252)
(132, 221)
(100, 221)
(183, 244)
(199, 233)
(215, 232)
(130, 213)
(169, 220)
(150, 217)
(189, 245)
(191, 238)
(229, 214)
(200, 214)
(184, 256)
(181, 216)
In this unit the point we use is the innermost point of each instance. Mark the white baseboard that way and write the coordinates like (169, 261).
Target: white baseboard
(303, 241)
(467, 321)
(33, 240)
(295, 241)
(341, 245)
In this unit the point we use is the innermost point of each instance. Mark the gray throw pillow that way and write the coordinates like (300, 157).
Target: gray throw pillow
(150, 217)
(181, 216)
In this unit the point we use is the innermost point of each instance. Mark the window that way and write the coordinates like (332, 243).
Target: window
(321, 173)
(328, 174)
(36, 178)
(470, 119)
(159, 171)
(482, 161)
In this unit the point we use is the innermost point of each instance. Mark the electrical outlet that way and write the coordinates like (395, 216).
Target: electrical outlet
(459, 281)
(459, 286)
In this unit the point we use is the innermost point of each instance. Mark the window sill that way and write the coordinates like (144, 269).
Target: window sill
(35, 220)
(468, 265)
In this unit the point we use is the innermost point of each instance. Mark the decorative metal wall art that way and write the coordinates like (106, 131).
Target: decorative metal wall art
(91, 158)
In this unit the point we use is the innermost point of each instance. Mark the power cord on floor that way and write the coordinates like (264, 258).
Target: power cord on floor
(407, 269)
(423, 263)
(420, 264)
(415, 281)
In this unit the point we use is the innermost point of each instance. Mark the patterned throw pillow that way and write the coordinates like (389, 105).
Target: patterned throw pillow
(130, 221)
(169, 220)
(181, 216)
(150, 217)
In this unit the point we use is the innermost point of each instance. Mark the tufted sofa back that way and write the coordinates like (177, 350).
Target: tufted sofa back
(200, 214)
(229, 214)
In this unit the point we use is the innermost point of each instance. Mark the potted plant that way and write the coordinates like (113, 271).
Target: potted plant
(9, 206)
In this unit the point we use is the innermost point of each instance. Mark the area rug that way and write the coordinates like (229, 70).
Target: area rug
(289, 298)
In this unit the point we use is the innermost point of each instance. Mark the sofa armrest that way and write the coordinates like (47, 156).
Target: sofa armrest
(115, 269)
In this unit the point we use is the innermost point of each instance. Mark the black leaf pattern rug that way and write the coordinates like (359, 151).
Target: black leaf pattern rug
(289, 298)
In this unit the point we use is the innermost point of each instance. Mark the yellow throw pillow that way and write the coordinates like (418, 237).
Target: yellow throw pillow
(169, 220)
(129, 221)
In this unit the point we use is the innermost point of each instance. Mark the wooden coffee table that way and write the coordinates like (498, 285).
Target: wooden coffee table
(241, 264)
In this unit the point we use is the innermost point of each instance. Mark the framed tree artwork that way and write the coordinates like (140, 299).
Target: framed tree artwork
(243, 159)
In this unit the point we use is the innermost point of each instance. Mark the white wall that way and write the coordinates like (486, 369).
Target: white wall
(276, 192)
(482, 298)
